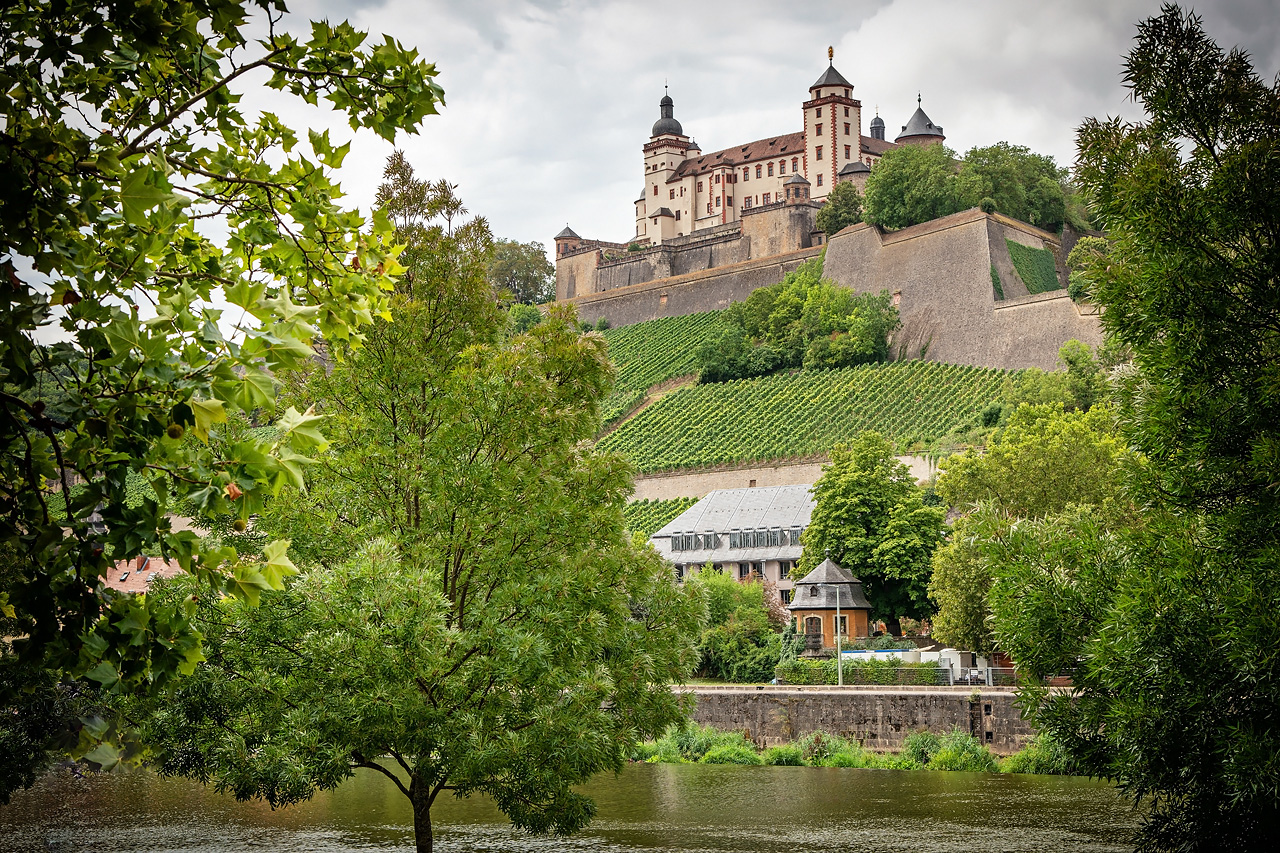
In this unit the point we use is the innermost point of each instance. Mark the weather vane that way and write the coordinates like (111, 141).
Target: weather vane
(831, 54)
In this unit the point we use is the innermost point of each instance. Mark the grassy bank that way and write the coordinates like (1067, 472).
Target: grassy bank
(955, 750)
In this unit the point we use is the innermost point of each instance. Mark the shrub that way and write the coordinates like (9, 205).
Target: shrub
(958, 750)
(785, 755)
(848, 758)
(996, 287)
(987, 204)
(1044, 755)
(731, 753)
(918, 748)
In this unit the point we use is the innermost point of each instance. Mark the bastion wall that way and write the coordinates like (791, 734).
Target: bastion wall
(939, 273)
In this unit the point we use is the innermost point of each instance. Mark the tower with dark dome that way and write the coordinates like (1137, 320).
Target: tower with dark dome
(877, 127)
(663, 209)
(919, 129)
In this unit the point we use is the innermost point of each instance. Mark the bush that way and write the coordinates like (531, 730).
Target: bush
(785, 755)
(918, 748)
(958, 750)
(1044, 755)
(731, 753)
(987, 204)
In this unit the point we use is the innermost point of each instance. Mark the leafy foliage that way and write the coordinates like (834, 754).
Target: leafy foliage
(740, 642)
(128, 175)
(1023, 185)
(843, 208)
(805, 414)
(475, 611)
(997, 289)
(1044, 461)
(1044, 755)
(646, 517)
(869, 516)
(803, 321)
(884, 672)
(522, 273)
(912, 184)
(1163, 616)
(1035, 267)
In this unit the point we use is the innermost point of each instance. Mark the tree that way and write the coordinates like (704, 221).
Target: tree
(843, 208)
(129, 175)
(1044, 461)
(1078, 387)
(803, 321)
(503, 635)
(1172, 635)
(522, 272)
(1024, 185)
(742, 640)
(871, 517)
(912, 184)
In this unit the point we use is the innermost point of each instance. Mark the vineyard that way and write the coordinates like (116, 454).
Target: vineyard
(647, 517)
(656, 350)
(913, 404)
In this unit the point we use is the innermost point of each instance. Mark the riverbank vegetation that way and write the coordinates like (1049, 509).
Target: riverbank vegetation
(955, 751)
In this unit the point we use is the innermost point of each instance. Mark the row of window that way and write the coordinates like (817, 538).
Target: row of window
(818, 111)
(818, 128)
(765, 537)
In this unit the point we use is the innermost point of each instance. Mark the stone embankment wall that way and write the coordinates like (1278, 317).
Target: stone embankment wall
(697, 484)
(879, 718)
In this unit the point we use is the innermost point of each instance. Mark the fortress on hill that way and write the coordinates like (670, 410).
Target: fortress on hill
(711, 228)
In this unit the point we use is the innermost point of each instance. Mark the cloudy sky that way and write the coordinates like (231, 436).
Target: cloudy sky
(550, 101)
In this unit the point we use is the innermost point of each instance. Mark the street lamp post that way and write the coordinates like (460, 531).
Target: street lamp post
(839, 648)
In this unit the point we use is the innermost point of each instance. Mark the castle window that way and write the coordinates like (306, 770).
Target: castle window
(708, 207)
(846, 152)
(729, 201)
(819, 179)
(846, 128)
(818, 129)
(846, 112)
(758, 171)
(782, 167)
(673, 193)
(771, 170)
(746, 174)
(717, 201)
(717, 179)
(846, 94)
(699, 186)
(746, 203)
(766, 198)
(818, 153)
(677, 216)
(795, 164)
(819, 112)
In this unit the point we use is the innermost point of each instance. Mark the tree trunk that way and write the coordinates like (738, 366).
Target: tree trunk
(893, 626)
(420, 796)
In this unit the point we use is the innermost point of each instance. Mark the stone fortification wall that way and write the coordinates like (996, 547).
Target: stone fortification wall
(697, 484)
(878, 718)
(708, 290)
(597, 267)
(939, 272)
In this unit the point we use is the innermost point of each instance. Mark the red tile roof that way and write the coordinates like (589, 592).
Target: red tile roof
(791, 144)
(134, 575)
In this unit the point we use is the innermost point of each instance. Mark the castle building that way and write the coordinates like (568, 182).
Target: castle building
(687, 191)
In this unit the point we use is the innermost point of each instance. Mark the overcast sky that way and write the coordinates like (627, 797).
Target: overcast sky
(549, 103)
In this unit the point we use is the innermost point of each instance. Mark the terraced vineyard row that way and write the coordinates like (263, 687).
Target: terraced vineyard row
(647, 517)
(804, 414)
(656, 350)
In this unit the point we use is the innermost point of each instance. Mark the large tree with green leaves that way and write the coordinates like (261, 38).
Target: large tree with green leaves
(1177, 693)
(872, 519)
(843, 208)
(135, 196)
(912, 184)
(1041, 463)
(504, 636)
(522, 273)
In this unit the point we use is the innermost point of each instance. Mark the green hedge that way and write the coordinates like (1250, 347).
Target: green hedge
(887, 672)
(1035, 267)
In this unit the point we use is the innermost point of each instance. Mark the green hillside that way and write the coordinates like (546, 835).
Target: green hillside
(647, 517)
(805, 414)
(656, 350)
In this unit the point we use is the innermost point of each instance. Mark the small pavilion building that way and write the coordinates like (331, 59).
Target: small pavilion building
(814, 600)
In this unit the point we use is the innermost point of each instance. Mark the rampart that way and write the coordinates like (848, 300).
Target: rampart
(939, 273)
(879, 718)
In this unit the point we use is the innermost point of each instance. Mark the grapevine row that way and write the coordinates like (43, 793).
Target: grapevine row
(656, 350)
(805, 414)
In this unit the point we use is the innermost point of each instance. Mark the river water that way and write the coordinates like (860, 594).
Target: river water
(646, 809)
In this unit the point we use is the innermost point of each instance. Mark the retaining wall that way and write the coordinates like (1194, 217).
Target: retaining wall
(697, 484)
(878, 718)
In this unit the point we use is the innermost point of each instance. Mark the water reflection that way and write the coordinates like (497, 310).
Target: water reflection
(648, 808)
